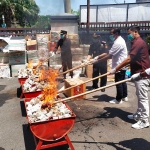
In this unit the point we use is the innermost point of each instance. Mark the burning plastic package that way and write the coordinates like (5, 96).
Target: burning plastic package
(25, 73)
(43, 79)
(35, 112)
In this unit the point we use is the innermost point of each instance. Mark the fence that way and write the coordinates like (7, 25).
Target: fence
(102, 26)
(23, 31)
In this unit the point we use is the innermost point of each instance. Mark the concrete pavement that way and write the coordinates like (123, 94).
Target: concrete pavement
(99, 125)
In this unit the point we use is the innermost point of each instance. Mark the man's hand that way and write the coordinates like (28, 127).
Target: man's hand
(112, 71)
(55, 50)
(135, 77)
(52, 54)
(93, 61)
(96, 58)
(85, 61)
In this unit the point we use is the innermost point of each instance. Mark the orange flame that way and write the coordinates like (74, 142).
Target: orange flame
(50, 92)
(30, 64)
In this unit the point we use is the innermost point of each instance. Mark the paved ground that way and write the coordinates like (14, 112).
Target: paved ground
(99, 125)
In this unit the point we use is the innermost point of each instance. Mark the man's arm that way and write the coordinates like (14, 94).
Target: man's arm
(89, 57)
(103, 57)
(124, 63)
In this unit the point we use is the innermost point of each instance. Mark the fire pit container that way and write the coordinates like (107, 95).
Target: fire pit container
(52, 133)
(22, 80)
(32, 94)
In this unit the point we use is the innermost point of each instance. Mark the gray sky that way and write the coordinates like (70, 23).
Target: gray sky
(52, 7)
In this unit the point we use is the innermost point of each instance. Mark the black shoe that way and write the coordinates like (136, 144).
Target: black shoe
(103, 90)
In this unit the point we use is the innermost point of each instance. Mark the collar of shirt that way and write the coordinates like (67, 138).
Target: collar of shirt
(117, 39)
(135, 39)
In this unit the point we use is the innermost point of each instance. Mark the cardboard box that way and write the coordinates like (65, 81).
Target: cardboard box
(31, 45)
(89, 71)
(4, 58)
(15, 68)
(111, 78)
(109, 64)
(17, 58)
(4, 71)
(76, 90)
(55, 36)
(43, 37)
(17, 45)
(3, 43)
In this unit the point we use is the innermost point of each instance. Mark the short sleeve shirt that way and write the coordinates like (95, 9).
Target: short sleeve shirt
(118, 51)
(139, 51)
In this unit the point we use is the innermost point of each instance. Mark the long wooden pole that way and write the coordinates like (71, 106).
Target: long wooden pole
(88, 92)
(80, 66)
(84, 82)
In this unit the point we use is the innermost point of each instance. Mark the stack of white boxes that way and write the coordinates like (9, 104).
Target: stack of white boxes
(17, 55)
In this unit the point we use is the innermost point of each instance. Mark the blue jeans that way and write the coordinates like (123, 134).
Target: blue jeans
(121, 88)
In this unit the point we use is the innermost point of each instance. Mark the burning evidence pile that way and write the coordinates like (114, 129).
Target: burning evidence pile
(43, 107)
(38, 112)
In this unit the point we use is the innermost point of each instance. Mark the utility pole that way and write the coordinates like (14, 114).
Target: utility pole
(88, 20)
(67, 6)
(88, 14)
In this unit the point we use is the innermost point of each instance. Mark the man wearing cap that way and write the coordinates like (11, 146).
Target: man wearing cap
(96, 48)
(66, 55)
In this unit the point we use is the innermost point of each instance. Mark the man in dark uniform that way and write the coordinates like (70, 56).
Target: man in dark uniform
(66, 55)
(96, 49)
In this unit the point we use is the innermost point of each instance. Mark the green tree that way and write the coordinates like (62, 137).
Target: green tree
(75, 12)
(24, 11)
(43, 22)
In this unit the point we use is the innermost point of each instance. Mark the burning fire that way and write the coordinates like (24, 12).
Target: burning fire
(50, 92)
(49, 75)
(30, 64)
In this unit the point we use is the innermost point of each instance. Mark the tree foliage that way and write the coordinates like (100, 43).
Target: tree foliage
(75, 12)
(42, 22)
(25, 12)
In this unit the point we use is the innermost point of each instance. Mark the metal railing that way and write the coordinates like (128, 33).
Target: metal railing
(23, 31)
(106, 26)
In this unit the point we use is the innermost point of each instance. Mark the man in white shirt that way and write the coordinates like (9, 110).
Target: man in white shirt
(118, 53)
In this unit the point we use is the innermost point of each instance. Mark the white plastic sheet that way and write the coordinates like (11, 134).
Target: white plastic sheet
(93, 10)
(139, 12)
(113, 13)
(117, 13)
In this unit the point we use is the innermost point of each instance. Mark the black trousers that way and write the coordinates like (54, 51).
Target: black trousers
(121, 88)
(99, 69)
(67, 63)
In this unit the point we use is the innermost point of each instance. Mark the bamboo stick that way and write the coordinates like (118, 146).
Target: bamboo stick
(80, 66)
(88, 92)
(84, 82)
